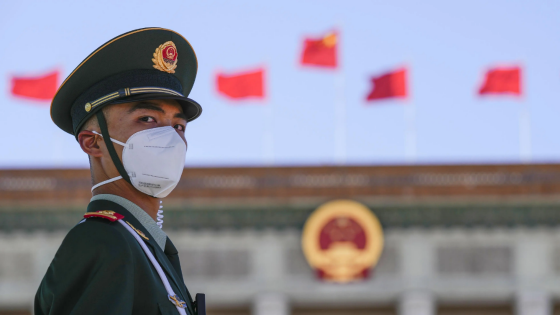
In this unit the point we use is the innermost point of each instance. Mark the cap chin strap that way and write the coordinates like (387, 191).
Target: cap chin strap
(110, 180)
(114, 156)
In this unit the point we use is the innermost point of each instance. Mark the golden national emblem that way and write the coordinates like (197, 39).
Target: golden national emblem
(165, 57)
(342, 240)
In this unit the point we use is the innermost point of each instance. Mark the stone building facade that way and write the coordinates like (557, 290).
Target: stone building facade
(458, 239)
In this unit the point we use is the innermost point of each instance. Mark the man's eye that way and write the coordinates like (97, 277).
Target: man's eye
(147, 119)
(180, 127)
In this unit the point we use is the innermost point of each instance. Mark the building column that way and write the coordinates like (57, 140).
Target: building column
(271, 304)
(417, 303)
(269, 274)
(533, 303)
(417, 256)
(533, 267)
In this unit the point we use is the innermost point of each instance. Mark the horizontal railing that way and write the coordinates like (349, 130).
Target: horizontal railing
(294, 217)
(287, 182)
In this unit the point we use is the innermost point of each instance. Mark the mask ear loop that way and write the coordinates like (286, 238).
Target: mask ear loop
(110, 147)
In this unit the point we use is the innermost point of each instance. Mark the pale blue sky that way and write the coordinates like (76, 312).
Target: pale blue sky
(446, 45)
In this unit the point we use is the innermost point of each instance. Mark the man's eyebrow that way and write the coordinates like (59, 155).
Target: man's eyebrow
(181, 115)
(145, 105)
(153, 106)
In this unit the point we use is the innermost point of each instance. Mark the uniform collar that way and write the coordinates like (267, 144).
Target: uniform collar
(147, 222)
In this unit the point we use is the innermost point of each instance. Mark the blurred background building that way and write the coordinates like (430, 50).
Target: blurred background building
(469, 239)
(440, 117)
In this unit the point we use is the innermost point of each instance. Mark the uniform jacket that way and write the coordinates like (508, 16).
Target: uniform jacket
(101, 269)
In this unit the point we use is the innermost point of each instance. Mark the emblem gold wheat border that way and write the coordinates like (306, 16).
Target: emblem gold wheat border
(158, 59)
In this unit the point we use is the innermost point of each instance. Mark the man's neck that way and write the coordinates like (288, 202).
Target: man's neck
(123, 189)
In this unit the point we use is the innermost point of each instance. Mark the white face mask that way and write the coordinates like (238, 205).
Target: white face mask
(153, 159)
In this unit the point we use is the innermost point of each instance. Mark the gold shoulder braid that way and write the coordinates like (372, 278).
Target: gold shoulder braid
(137, 231)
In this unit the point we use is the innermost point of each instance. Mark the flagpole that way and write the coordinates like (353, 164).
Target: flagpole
(58, 148)
(268, 137)
(410, 135)
(340, 104)
(524, 133)
(340, 119)
(410, 123)
(525, 153)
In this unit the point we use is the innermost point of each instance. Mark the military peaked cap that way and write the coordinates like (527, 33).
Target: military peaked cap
(144, 64)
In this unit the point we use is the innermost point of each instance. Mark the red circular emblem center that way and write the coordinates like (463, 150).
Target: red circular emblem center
(169, 53)
(342, 229)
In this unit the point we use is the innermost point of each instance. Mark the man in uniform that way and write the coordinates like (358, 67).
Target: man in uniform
(126, 104)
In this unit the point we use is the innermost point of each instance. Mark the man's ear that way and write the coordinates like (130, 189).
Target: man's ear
(89, 142)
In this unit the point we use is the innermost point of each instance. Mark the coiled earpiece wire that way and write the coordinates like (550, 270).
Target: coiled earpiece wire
(160, 215)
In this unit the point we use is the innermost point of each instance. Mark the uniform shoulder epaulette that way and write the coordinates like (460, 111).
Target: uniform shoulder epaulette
(105, 214)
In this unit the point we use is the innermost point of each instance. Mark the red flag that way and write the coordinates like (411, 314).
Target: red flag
(502, 80)
(40, 88)
(320, 52)
(392, 84)
(241, 85)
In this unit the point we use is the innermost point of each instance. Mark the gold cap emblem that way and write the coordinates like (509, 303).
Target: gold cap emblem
(165, 57)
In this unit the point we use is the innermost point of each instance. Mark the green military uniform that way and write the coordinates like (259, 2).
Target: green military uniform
(101, 269)
(101, 266)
